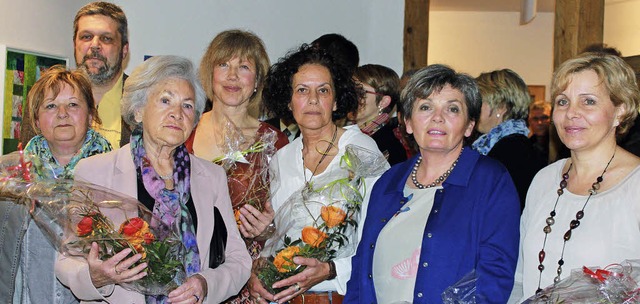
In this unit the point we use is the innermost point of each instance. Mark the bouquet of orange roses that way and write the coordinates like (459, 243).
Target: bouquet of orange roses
(321, 219)
(73, 215)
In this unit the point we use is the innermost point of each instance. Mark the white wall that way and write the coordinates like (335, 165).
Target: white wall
(476, 42)
(622, 26)
(186, 27)
(39, 25)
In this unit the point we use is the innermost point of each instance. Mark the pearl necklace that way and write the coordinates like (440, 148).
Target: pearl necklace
(572, 225)
(440, 179)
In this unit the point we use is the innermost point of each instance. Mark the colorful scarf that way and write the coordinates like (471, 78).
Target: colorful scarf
(485, 143)
(46, 165)
(375, 124)
(170, 205)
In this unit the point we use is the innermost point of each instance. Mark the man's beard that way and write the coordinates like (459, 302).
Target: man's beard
(105, 73)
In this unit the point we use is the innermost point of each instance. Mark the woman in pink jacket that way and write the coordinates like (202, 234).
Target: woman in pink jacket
(163, 101)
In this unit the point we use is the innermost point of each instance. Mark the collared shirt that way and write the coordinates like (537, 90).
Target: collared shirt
(109, 112)
(288, 178)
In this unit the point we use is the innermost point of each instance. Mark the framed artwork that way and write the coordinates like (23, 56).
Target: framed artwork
(537, 92)
(20, 70)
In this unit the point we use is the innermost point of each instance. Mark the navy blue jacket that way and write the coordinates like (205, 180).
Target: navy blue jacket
(474, 224)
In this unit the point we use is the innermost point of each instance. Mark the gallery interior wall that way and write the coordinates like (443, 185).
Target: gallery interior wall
(469, 41)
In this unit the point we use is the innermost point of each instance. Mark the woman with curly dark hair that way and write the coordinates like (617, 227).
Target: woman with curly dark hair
(313, 88)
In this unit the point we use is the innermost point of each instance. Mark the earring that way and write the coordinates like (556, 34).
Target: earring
(498, 115)
(380, 110)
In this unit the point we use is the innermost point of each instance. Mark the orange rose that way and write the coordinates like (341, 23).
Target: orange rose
(136, 231)
(284, 259)
(236, 214)
(148, 238)
(332, 215)
(312, 236)
(85, 226)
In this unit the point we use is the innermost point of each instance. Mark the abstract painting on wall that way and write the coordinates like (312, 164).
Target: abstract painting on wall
(20, 69)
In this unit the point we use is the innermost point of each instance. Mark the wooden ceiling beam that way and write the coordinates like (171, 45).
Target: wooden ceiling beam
(416, 33)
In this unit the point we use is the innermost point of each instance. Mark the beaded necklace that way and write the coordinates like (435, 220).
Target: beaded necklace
(572, 225)
(440, 179)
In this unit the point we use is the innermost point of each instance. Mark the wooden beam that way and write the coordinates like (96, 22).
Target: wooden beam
(578, 23)
(416, 33)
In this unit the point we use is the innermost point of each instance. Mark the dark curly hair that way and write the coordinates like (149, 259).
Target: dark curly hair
(278, 89)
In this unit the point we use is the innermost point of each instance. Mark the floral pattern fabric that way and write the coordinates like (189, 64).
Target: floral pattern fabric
(94, 143)
(485, 143)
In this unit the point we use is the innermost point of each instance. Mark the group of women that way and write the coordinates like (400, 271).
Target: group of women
(458, 211)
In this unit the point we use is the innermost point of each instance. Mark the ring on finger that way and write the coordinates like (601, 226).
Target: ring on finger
(115, 268)
(197, 298)
(296, 286)
(258, 298)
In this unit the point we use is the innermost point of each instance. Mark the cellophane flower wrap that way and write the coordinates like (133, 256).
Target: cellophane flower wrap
(463, 291)
(320, 220)
(614, 284)
(73, 214)
(246, 161)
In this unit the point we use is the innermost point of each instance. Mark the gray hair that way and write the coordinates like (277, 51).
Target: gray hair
(152, 71)
(434, 78)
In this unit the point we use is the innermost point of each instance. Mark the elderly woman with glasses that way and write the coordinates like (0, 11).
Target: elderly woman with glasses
(163, 101)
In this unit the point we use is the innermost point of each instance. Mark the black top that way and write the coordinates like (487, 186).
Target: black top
(389, 144)
(631, 141)
(148, 201)
(521, 159)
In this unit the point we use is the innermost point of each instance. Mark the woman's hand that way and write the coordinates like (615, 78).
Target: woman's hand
(254, 222)
(315, 273)
(258, 293)
(114, 270)
(194, 290)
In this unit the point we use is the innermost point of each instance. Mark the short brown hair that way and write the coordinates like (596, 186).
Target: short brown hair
(106, 9)
(231, 44)
(52, 81)
(382, 79)
(616, 75)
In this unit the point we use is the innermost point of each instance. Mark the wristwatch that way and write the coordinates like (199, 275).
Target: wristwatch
(332, 270)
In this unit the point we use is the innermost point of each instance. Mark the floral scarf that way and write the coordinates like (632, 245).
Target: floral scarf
(47, 166)
(170, 205)
(485, 143)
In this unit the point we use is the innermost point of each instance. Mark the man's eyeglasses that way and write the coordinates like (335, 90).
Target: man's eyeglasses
(540, 118)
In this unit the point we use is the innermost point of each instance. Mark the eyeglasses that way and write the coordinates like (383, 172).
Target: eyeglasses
(374, 93)
(540, 118)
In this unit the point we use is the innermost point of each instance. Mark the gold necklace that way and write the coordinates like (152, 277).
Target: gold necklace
(324, 155)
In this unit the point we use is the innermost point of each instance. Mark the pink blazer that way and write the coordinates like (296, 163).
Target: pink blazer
(115, 170)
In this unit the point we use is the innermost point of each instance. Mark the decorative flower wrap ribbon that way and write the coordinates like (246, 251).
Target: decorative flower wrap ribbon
(616, 283)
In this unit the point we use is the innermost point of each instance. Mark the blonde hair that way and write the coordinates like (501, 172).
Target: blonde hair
(231, 44)
(505, 88)
(52, 81)
(616, 75)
